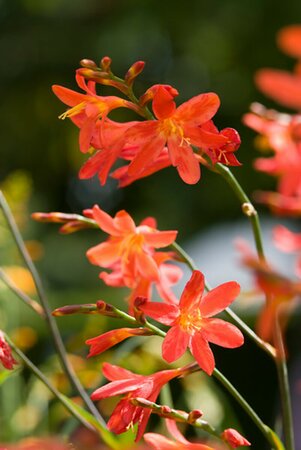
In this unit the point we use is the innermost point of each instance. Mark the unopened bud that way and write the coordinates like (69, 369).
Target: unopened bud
(133, 72)
(194, 415)
(106, 309)
(89, 308)
(88, 63)
(234, 438)
(92, 74)
(105, 63)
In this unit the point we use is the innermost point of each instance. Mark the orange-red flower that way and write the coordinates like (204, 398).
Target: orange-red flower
(280, 85)
(86, 109)
(125, 415)
(192, 324)
(279, 290)
(130, 247)
(282, 133)
(178, 129)
(6, 357)
(288, 241)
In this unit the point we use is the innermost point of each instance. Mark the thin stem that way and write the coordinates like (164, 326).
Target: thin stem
(57, 339)
(285, 395)
(24, 297)
(247, 206)
(247, 330)
(245, 405)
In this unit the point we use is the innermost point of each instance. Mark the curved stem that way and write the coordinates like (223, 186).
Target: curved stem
(57, 339)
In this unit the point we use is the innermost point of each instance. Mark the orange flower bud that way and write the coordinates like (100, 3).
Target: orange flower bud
(234, 438)
(88, 63)
(105, 63)
(133, 72)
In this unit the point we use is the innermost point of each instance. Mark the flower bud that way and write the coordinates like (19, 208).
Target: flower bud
(133, 72)
(88, 63)
(234, 438)
(105, 63)
(88, 308)
(194, 415)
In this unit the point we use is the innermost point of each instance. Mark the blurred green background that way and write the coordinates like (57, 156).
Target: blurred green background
(196, 46)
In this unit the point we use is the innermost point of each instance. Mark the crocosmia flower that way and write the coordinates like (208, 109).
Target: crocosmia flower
(87, 108)
(192, 324)
(129, 246)
(6, 357)
(125, 415)
(288, 242)
(178, 129)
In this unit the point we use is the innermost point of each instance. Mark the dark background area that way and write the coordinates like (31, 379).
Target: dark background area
(196, 46)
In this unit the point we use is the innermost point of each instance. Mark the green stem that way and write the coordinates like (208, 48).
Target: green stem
(247, 206)
(284, 388)
(246, 407)
(57, 339)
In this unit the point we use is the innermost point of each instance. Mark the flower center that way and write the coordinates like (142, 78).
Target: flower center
(191, 321)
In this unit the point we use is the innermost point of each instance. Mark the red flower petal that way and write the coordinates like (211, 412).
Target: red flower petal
(202, 352)
(104, 254)
(175, 344)
(158, 239)
(183, 158)
(104, 221)
(147, 154)
(289, 40)
(281, 86)
(161, 312)
(113, 373)
(198, 109)
(124, 222)
(116, 388)
(67, 96)
(222, 333)
(219, 298)
(193, 291)
(163, 103)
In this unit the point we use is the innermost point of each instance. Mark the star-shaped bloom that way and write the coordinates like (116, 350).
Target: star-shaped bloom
(129, 246)
(125, 414)
(178, 129)
(192, 324)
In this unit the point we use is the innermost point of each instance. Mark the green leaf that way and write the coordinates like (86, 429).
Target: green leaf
(108, 437)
